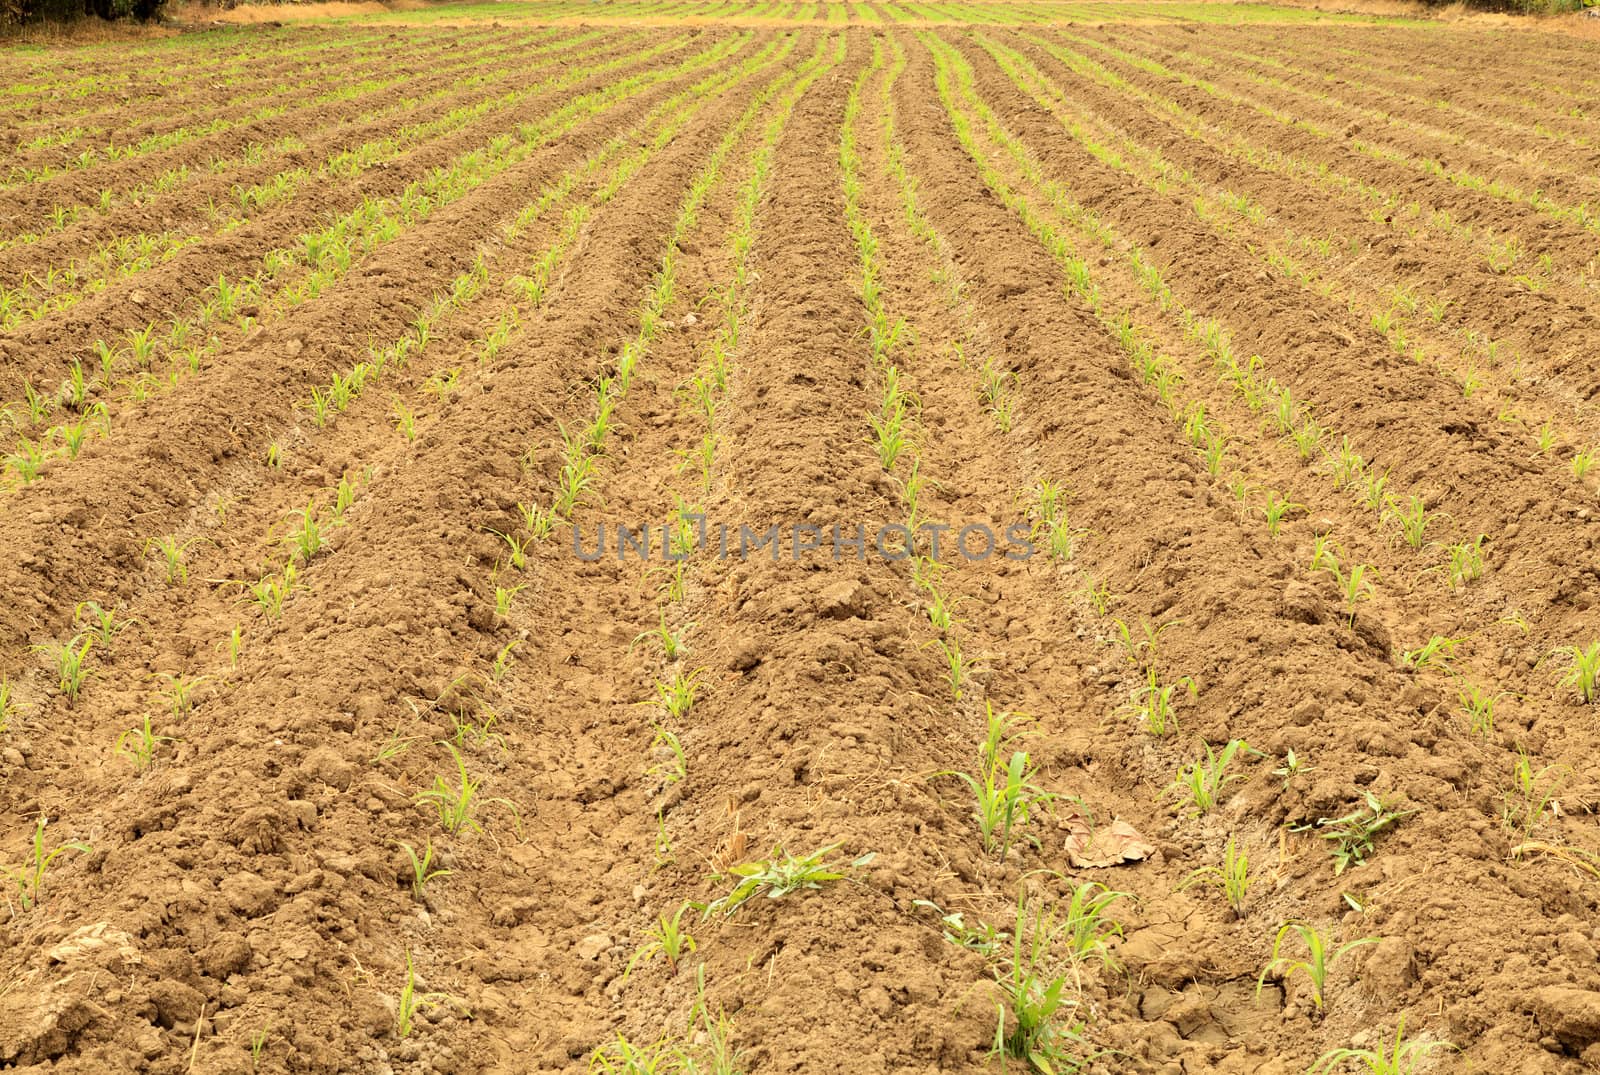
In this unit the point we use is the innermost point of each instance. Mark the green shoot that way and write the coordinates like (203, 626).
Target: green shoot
(411, 1002)
(1583, 670)
(1233, 877)
(422, 870)
(139, 745)
(1201, 781)
(1319, 960)
(669, 938)
(1354, 836)
(780, 874)
(1398, 1059)
(457, 806)
(29, 879)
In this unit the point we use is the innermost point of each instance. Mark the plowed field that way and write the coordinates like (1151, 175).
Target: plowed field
(822, 538)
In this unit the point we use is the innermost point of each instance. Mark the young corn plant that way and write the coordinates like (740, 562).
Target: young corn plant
(1233, 878)
(1465, 563)
(674, 765)
(958, 668)
(1478, 706)
(180, 693)
(413, 1002)
(1293, 766)
(503, 597)
(405, 421)
(1320, 958)
(457, 805)
(29, 878)
(1398, 1058)
(1583, 670)
(781, 874)
(422, 868)
(304, 538)
(1412, 517)
(1035, 1021)
(103, 625)
(1354, 837)
(518, 546)
(7, 705)
(172, 552)
(1201, 782)
(1275, 510)
(70, 659)
(1152, 702)
(1006, 797)
(1436, 653)
(677, 695)
(1531, 795)
(1355, 585)
(669, 938)
(139, 745)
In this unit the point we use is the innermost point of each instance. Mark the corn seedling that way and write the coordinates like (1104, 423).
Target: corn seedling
(1400, 1058)
(71, 664)
(536, 521)
(139, 745)
(1201, 782)
(1151, 702)
(422, 868)
(29, 879)
(1583, 462)
(1036, 1005)
(343, 497)
(1477, 705)
(1354, 586)
(980, 937)
(677, 695)
(7, 706)
(1436, 653)
(1087, 927)
(958, 668)
(1466, 562)
(412, 1002)
(675, 764)
(180, 693)
(1141, 647)
(1531, 794)
(518, 546)
(502, 661)
(781, 874)
(305, 539)
(258, 1045)
(172, 552)
(503, 596)
(1005, 797)
(1353, 837)
(103, 625)
(1233, 877)
(942, 610)
(404, 420)
(1583, 670)
(1275, 510)
(1411, 515)
(672, 644)
(457, 805)
(271, 592)
(1320, 958)
(669, 939)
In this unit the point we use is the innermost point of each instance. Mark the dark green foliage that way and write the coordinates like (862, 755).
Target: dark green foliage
(15, 13)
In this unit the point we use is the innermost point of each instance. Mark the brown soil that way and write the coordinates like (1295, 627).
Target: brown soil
(249, 883)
